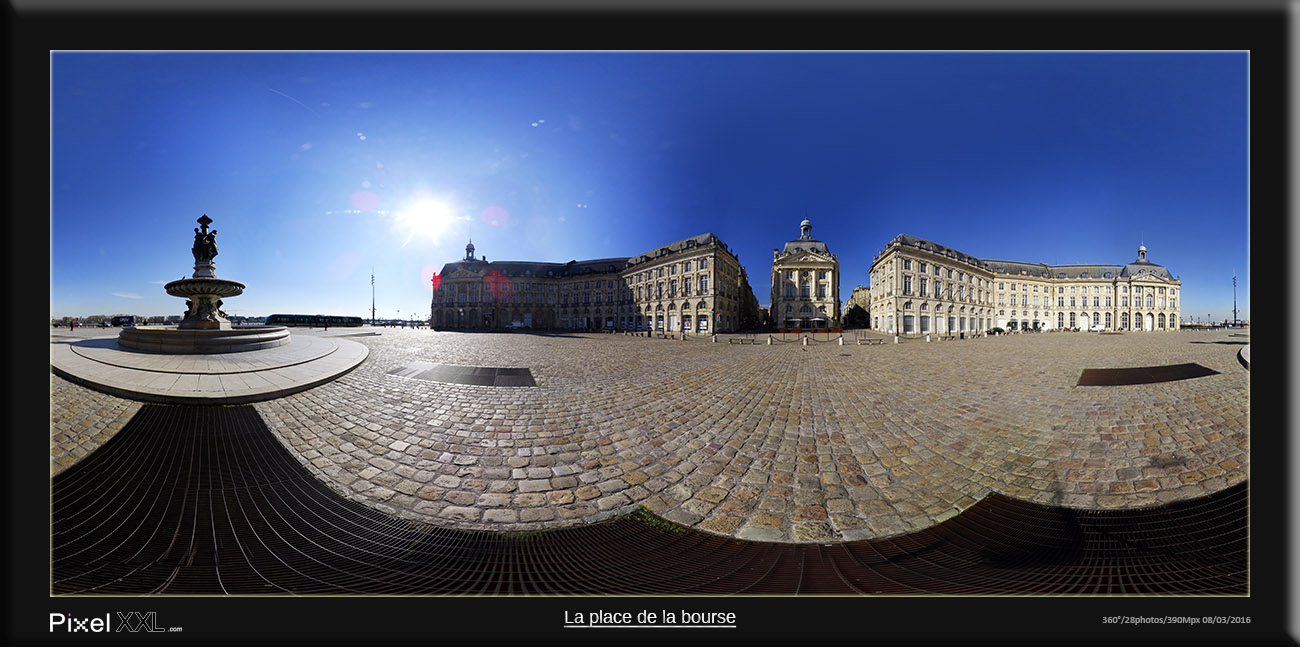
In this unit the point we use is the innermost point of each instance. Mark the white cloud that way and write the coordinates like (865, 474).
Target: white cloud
(127, 295)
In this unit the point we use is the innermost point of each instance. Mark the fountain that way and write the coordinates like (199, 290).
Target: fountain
(205, 328)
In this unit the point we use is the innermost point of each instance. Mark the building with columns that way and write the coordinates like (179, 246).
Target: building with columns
(919, 287)
(696, 284)
(805, 283)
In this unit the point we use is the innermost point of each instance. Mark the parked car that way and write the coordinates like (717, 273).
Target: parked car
(995, 331)
(1097, 328)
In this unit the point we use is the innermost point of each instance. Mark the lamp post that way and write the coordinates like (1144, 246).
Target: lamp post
(372, 296)
(1234, 298)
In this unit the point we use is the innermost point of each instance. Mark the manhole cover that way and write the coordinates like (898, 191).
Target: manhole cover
(476, 375)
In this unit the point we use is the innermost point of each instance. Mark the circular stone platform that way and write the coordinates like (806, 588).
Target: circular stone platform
(102, 364)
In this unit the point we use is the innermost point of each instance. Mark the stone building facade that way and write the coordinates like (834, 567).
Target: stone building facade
(805, 283)
(857, 310)
(920, 287)
(696, 284)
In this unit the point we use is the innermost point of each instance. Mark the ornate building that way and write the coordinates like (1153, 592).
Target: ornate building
(919, 287)
(805, 283)
(696, 284)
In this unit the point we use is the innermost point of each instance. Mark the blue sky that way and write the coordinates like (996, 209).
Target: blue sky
(318, 166)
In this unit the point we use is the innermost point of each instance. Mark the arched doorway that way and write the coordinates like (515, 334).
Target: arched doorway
(1151, 321)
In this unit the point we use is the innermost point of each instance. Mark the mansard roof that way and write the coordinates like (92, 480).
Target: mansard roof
(681, 245)
(1136, 268)
(929, 246)
(805, 245)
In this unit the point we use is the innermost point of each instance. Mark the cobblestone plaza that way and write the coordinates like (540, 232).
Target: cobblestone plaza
(779, 442)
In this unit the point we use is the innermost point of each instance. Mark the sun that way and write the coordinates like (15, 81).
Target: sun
(425, 218)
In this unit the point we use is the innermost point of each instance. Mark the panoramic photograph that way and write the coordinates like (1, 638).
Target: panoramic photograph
(649, 323)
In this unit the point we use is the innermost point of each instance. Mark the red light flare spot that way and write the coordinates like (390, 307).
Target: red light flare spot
(495, 216)
(429, 276)
(365, 200)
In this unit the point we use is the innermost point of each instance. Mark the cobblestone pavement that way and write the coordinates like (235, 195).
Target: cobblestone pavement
(779, 443)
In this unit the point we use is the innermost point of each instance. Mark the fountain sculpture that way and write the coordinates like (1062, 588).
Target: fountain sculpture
(205, 328)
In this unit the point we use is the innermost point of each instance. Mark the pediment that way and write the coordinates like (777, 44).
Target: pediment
(463, 273)
(1152, 278)
(807, 256)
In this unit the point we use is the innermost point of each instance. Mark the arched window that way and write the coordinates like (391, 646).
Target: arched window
(805, 290)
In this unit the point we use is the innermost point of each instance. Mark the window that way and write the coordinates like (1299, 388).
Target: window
(803, 289)
(1024, 300)
(1071, 289)
(821, 275)
(1071, 303)
(907, 285)
(1149, 301)
(1060, 290)
(1107, 302)
(936, 270)
(949, 273)
(686, 267)
(907, 265)
(922, 267)
(1123, 302)
(1002, 286)
(704, 263)
(788, 274)
(1095, 302)
(821, 291)
(704, 283)
(1013, 287)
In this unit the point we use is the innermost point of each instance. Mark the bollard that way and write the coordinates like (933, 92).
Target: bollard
(895, 339)
(927, 337)
(769, 340)
(805, 341)
(841, 340)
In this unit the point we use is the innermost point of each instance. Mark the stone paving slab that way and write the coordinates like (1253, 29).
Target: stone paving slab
(95, 360)
(776, 443)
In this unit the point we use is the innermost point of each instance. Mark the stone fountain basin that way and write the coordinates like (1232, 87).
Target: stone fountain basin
(195, 287)
(168, 339)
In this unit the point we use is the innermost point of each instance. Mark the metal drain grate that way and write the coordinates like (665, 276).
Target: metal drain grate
(1142, 375)
(478, 375)
(191, 500)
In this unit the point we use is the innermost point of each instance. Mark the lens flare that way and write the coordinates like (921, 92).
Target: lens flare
(426, 219)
